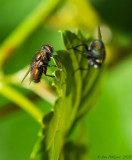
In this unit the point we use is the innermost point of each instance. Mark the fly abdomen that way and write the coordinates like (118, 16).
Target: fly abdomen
(36, 75)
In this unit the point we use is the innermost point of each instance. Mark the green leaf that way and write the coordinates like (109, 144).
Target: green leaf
(77, 92)
(74, 149)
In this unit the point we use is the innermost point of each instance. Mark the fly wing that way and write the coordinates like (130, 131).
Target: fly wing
(26, 75)
(99, 33)
(32, 67)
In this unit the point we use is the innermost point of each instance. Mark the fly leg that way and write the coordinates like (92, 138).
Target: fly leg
(82, 69)
(45, 70)
(85, 54)
(49, 66)
(83, 44)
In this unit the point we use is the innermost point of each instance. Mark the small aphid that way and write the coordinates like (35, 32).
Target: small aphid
(95, 53)
(39, 64)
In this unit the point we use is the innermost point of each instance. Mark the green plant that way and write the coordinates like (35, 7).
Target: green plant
(59, 112)
(77, 94)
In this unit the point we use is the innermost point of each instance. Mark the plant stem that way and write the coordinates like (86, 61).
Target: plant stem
(42, 89)
(21, 101)
(24, 30)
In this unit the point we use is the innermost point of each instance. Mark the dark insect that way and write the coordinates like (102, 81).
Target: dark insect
(95, 53)
(39, 64)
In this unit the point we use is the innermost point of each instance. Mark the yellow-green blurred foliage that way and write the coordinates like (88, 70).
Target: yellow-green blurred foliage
(24, 27)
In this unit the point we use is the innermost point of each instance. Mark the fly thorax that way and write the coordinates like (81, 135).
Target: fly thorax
(97, 49)
(48, 56)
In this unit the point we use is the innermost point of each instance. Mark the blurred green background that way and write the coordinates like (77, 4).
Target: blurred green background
(109, 123)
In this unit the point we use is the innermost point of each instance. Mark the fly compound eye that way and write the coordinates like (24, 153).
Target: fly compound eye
(48, 48)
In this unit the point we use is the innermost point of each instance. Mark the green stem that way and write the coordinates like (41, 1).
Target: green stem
(21, 101)
(24, 30)
(43, 89)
